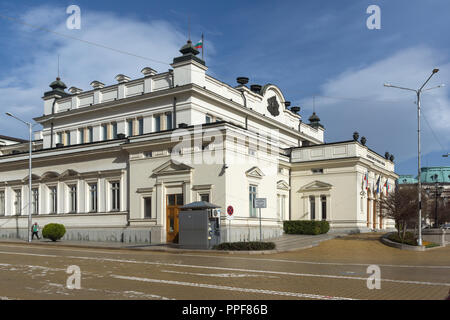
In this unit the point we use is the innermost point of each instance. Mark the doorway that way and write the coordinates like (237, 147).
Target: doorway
(174, 202)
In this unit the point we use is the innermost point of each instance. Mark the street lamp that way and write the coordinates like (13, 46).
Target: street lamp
(419, 189)
(30, 127)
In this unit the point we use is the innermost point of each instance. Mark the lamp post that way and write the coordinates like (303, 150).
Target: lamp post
(30, 127)
(419, 187)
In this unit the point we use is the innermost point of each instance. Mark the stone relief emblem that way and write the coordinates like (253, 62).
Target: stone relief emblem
(273, 106)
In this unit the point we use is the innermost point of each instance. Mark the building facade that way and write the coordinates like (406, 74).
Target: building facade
(115, 163)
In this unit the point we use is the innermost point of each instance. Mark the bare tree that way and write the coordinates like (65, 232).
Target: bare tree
(401, 206)
(444, 210)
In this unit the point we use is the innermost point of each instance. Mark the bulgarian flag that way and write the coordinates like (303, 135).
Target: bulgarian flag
(199, 44)
(366, 179)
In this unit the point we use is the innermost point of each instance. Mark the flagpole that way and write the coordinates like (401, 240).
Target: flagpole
(203, 46)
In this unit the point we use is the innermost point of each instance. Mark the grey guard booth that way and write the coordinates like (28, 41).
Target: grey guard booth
(199, 228)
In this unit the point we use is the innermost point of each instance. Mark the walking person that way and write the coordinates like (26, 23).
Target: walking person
(35, 231)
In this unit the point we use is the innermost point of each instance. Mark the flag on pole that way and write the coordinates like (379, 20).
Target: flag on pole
(366, 179)
(363, 182)
(199, 44)
(378, 184)
(385, 186)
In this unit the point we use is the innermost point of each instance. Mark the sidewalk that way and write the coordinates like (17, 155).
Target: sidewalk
(292, 242)
(283, 244)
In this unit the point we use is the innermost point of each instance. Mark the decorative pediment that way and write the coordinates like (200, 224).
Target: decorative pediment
(170, 167)
(254, 172)
(34, 177)
(50, 175)
(283, 185)
(315, 186)
(69, 173)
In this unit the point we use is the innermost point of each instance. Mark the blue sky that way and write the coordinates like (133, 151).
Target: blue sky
(308, 48)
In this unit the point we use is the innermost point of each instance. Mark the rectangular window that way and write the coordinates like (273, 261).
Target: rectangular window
(147, 208)
(204, 197)
(2, 203)
(93, 197)
(141, 126)
(281, 206)
(53, 200)
(158, 123)
(91, 134)
(208, 119)
(115, 196)
(59, 138)
(312, 204)
(252, 197)
(169, 121)
(35, 202)
(104, 132)
(81, 134)
(324, 207)
(114, 130)
(130, 128)
(67, 138)
(73, 198)
(18, 202)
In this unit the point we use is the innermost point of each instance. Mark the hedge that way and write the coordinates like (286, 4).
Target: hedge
(409, 238)
(246, 246)
(54, 231)
(306, 227)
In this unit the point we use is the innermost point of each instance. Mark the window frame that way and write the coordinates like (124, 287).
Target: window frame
(252, 195)
(115, 195)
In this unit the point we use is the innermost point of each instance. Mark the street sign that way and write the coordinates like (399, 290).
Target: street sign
(230, 210)
(260, 203)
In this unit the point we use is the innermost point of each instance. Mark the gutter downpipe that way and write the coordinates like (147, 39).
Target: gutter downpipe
(245, 106)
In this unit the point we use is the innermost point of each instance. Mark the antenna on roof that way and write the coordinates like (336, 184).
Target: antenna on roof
(58, 65)
(189, 27)
(314, 103)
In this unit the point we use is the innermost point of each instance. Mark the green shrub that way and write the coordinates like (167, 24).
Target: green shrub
(409, 238)
(306, 227)
(247, 246)
(54, 231)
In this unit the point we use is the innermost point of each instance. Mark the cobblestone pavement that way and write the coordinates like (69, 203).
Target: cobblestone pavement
(336, 269)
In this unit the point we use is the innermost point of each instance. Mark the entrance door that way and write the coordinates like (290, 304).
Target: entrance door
(174, 201)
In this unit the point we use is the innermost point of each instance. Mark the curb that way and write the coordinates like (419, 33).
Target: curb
(403, 246)
(161, 248)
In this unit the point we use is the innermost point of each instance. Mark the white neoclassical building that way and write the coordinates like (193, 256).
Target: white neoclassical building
(115, 163)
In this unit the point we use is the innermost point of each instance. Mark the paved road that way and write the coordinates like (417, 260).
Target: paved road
(336, 269)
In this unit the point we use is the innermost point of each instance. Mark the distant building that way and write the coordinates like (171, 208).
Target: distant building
(431, 178)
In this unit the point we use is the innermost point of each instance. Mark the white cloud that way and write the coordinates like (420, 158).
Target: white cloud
(81, 63)
(386, 116)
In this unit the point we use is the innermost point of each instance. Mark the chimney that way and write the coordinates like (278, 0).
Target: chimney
(242, 80)
(148, 72)
(121, 78)
(256, 88)
(97, 84)
(75, 90)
